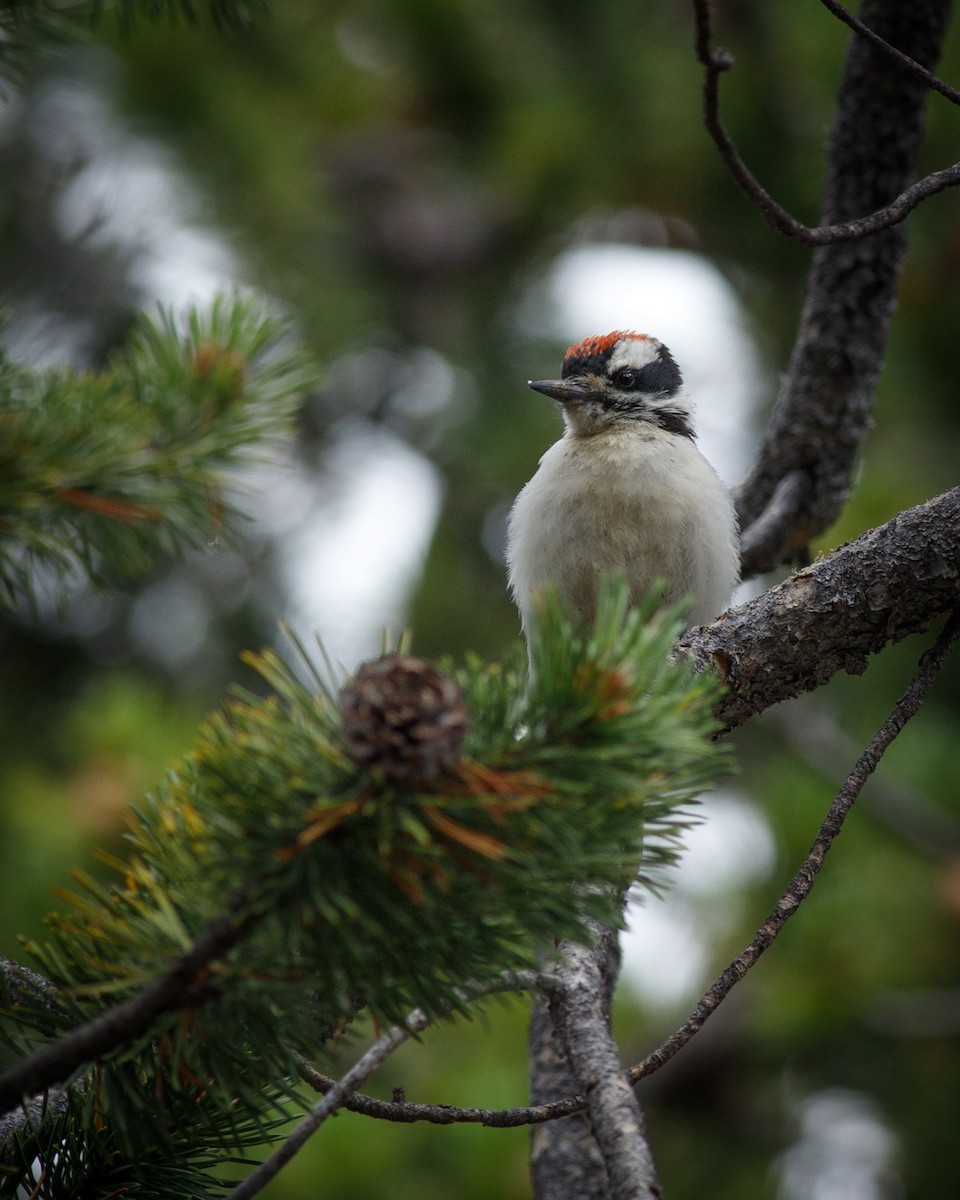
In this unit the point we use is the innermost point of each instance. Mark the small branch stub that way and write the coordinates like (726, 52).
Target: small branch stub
(404, 718)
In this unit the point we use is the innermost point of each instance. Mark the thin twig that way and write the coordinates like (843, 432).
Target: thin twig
(813, 733)
(405, 1112)
(930, 667)
(715, 62)
(933, 81)
(416, 1022)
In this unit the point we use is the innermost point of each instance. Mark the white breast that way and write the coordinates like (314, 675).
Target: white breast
(638, 500)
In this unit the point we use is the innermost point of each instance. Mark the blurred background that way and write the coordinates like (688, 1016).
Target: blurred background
(444, 194)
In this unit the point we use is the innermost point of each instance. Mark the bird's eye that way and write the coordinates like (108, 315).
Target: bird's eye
(625, 378)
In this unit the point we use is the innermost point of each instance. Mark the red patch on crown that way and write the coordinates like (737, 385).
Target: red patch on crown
(601, 344)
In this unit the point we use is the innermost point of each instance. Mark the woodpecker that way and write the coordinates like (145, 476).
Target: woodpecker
(624, 489)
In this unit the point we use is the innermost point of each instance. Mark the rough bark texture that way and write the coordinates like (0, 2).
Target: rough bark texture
(565, 1160)
(823, 412)
(580, 1010)
(890, 582)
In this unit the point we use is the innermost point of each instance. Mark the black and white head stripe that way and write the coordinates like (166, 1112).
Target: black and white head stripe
(630, 361)
(633, 377)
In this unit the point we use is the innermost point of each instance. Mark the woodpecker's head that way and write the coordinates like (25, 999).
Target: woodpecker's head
(618, 379)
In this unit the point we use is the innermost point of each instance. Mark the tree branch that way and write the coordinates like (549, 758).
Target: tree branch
(176, 988)
(581, 1018)
(378, 1053)
(831, 616)
(932, 81)
(762, 541)
(565, 1160)
(814, 735)
(930, 667)
(823, 412)
(716, 62)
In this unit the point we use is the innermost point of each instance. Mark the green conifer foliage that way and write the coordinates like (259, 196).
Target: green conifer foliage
(104, 472)
(342, 887)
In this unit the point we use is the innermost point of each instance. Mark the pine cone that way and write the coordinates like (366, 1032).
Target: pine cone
(403, 717)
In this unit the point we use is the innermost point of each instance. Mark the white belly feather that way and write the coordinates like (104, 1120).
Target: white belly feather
(639, 501)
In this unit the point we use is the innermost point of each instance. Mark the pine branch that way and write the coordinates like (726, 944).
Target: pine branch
(930, 667)
(182, 986)
(28, 28)
(611, 689)
(101, 474)
(534, 833)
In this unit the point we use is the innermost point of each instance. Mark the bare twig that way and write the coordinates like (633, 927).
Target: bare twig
(824, 410)
(813, 734)
(933, 81)
(404, 1112)
(930, 667)
(416, 1022)
(176, 988)
(715, 62)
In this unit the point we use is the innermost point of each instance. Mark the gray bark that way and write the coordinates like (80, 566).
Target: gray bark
(823, 413)
(890, 582)
(602, 1154)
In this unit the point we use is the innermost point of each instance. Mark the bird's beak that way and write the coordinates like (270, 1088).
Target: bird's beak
(567, 391)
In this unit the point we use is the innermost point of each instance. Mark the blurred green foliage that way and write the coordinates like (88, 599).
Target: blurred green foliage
(491, 133)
